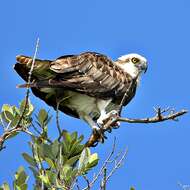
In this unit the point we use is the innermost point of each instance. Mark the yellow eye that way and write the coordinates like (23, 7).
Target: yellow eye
(135, 60)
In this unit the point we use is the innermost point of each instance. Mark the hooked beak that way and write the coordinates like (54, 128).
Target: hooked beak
(145, 67)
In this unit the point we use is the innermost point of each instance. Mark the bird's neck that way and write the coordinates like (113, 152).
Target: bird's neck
(130, 69)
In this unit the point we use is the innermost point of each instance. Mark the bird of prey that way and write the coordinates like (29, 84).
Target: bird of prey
(88, 86)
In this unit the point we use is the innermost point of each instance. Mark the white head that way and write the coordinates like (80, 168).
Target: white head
(133, 64)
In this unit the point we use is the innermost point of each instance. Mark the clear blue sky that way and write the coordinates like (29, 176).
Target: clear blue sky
(159, 154)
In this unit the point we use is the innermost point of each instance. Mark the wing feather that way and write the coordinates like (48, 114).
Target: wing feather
(90, 73)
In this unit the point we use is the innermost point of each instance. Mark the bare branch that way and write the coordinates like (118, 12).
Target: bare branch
(18, 128)
(7, 134)
(29, 81)
(57, 121)
(108, 159)
(87, 181)
(159, 117)
(77, 185)
(118, 164)
(103, 184)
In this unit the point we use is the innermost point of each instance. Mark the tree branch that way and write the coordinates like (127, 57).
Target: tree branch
(18, 128)
(108, 159)
(7, 134)
(160, 116)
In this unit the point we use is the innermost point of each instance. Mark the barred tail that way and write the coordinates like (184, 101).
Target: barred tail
(41, 69)
(22, 59)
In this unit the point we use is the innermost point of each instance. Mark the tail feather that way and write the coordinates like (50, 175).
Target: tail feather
(26, 85)
(41, 69)
(22, 59)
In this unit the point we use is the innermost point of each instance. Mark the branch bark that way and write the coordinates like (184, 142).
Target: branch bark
(160, 116)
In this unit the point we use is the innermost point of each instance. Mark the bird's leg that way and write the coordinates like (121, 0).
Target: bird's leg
(97, 131)
(105, 117)
(101, 105)
(102, 117)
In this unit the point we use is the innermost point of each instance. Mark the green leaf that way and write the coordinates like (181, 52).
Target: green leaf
(22, 187)
(45, 151)
(50, 162)
(66, 173)
(67, 137)
(132, 188)
(76, 149)
(51, 176)
(55, 148)
(74, 173)
(45, 179)
(80, 139)
(15, 120)
(93, 160)
(5, 186)
(65, 149)
(42, 117)
(83, 160)
(34, 171)
(74, 136)
(26, 107)
(7, 113)
(72, 160)
(20, 179)
(7, 108)
(15, 110)
(29, 159)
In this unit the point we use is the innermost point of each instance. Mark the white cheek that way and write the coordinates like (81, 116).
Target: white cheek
(130, 69)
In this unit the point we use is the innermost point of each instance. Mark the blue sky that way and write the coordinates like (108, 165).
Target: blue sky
(159, 154)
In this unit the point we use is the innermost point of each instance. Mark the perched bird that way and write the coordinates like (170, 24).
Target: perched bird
(88, 86)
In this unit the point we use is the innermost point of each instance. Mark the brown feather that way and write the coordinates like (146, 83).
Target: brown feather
(89, 73)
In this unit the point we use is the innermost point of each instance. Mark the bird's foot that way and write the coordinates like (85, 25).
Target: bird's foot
(104, 118)
(98, 133)
(112, 116)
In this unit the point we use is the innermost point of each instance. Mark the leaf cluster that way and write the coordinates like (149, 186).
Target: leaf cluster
(55, 164)
(10, 116)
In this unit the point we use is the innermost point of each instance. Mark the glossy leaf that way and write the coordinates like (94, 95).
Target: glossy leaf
(42, 117)
(26, 107)
(29, 159)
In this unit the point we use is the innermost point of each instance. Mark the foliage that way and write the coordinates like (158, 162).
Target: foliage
(55, 164)
(15, 119)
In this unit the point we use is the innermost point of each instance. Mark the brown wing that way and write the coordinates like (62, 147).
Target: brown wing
(92, 74)
(89, 73)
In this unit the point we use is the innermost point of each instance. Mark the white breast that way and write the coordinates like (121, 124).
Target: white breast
(82, 103)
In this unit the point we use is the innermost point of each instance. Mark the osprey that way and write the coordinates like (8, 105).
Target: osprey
(88, 86)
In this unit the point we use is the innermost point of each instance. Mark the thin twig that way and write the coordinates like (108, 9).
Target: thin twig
(57, 121)
(10, 132)
(29, 81)
(18, 127)
(103, 184)
(39, 133)
(77, 185)
(118, 164)
(35, 129)
(95, 178)
(87, 181)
